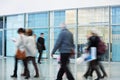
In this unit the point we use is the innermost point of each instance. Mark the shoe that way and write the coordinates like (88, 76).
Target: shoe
(103, 76)
(14, 76)
(27, 77)
(39, 62)
(36, 76)
(85, 77)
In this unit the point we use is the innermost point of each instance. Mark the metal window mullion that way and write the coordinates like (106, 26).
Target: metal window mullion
(110, 32)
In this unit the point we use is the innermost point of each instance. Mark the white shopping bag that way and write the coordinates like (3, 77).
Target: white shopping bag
(87, 56)
(82, 58)
(92, 54)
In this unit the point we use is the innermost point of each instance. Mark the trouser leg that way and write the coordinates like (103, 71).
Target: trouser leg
(95, 66)
(26, 67)
(15, 66)
(35, 66)
(102, 69)
(65, 67)
(40, 55)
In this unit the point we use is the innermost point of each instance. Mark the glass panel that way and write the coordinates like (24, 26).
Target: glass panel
(102, 31)
(93, 16)
(115, 33)
(70, 17)
(1, 22)
(1, 43)
(10, 45)
(115, 43)
(46, 37)
(15, 21)
(116, 15)
(38, 19)
(59, 17)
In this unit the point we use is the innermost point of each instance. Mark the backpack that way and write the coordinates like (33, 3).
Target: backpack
(101, 48)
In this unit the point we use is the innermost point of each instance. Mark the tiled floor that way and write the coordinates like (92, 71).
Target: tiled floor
(49, 68)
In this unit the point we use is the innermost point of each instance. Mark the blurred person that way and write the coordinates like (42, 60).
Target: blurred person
(30, 46)
(65, 45)
(40, 46)
(93, 41)
(20, 45)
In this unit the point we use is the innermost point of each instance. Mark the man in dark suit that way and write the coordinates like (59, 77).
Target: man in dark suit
(40, 46)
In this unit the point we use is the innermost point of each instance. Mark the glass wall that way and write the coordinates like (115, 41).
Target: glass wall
(39, 23)
(38, 19)
(94, 19)
(79, 22)
(12, 24)
(115, 33)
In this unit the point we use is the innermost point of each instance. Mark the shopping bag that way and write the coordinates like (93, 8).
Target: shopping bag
(92, 54)
(82, 58)
(20, 54)
(72, 53)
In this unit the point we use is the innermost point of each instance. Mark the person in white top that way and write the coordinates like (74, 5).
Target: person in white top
(19, 44)
(30, 47)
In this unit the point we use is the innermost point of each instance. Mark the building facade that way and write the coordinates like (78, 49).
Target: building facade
(105, 20)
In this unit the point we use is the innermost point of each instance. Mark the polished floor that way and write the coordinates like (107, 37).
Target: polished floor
(49, 68)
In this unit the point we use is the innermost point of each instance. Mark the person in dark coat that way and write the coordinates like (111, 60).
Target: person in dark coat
(94, 65)
(40, 46)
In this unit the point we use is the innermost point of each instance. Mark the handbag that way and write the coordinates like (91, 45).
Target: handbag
(72, 52)
(20, 54)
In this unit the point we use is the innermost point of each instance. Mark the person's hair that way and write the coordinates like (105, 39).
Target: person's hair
(41, 33)
(29, 32)
(94, 34)
(21, 30)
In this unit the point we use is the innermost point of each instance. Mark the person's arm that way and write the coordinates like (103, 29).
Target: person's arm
(18, 41)
(58, 42)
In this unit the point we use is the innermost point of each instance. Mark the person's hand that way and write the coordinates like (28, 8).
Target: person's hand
(14, 40)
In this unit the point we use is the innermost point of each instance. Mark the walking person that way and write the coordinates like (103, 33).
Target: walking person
(30, 46)
(20, 46)
(65, 45)
(93, 41)
(40, 46)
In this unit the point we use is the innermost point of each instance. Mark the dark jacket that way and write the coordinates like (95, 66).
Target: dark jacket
(40, 43)
(64, 42)
(93, 41)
